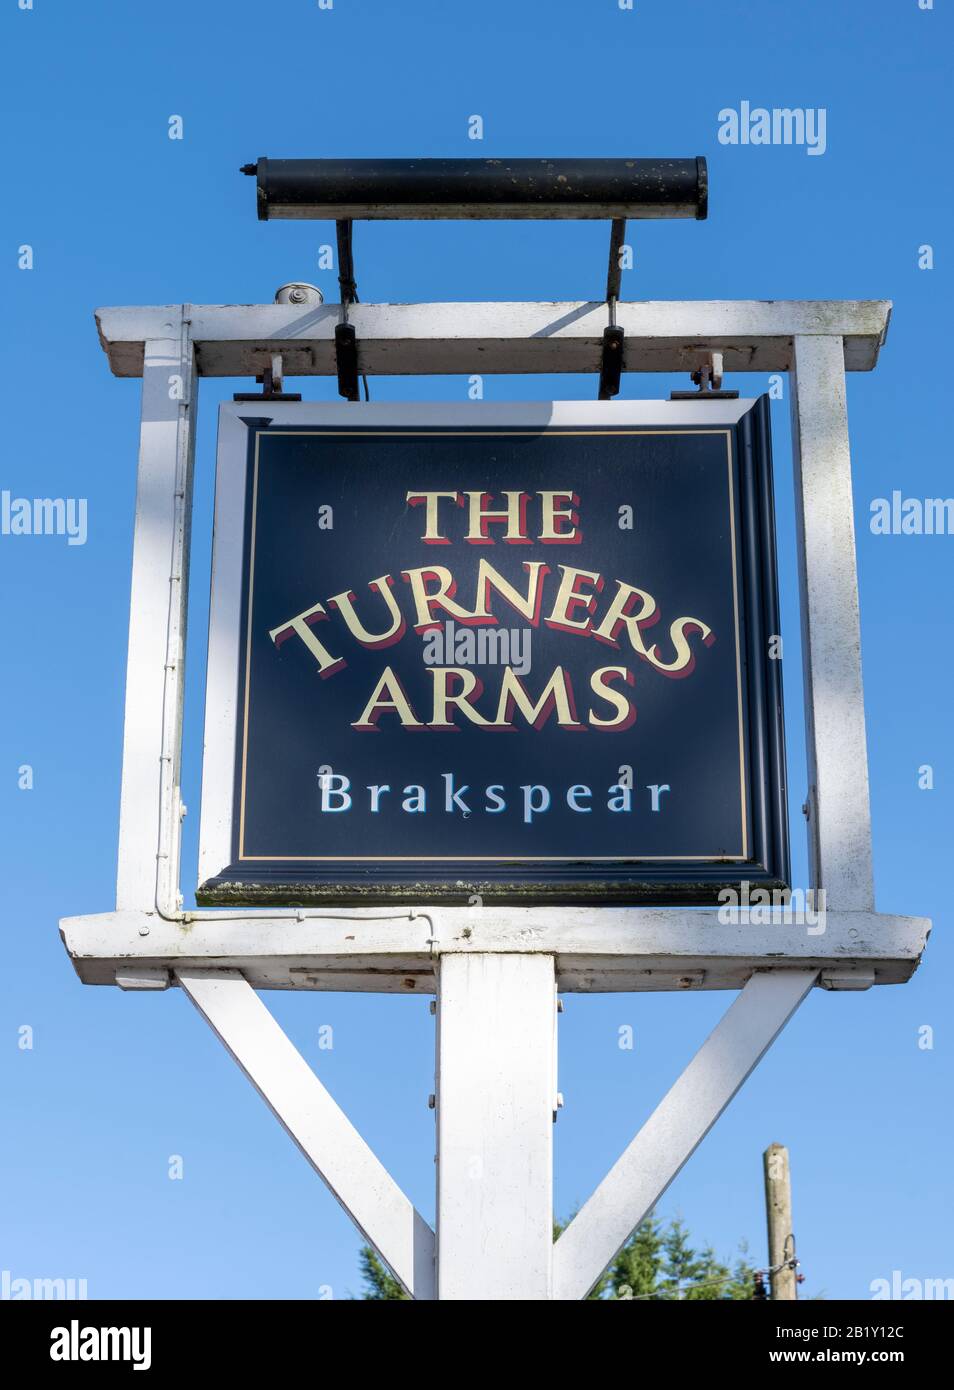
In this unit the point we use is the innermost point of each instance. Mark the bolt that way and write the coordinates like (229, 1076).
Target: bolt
(432, 1101)
(299, 292)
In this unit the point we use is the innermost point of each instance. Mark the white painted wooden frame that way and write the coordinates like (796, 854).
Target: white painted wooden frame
(494, 970)
(150, 807)
(171, 347)
(443, 339)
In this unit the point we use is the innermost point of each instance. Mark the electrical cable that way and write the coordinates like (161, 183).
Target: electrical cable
(712, 1283)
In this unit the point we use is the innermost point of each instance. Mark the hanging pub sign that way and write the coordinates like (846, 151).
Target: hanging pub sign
(526, 651)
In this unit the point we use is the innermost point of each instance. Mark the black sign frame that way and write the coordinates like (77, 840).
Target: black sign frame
(245, 880)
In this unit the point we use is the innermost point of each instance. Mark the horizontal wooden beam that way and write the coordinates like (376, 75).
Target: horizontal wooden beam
(602, 949)
(238, 340)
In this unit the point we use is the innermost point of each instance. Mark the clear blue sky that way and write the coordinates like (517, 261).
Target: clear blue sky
(119, 214)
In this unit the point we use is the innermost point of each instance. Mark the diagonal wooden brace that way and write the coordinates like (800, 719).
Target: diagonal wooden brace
(675, 1129)
(320, 1128)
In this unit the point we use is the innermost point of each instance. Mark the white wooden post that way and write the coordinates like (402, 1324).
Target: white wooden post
(838, 807)
(496, 1098)
(150, 808)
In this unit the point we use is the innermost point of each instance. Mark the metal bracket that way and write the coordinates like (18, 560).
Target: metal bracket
(611, 360)
(708, 379)
(346, 344)
(272, 380)
(346, 358)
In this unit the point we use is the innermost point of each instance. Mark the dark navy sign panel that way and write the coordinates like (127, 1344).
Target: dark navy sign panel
(528, 663)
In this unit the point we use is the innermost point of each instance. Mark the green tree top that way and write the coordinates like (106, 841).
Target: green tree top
(657, 1262)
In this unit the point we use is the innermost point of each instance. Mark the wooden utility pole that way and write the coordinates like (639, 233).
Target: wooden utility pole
(778, 1210)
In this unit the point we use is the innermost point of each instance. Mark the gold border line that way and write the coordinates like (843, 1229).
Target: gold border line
(248, 647)
(738, 646)
(493, 858)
